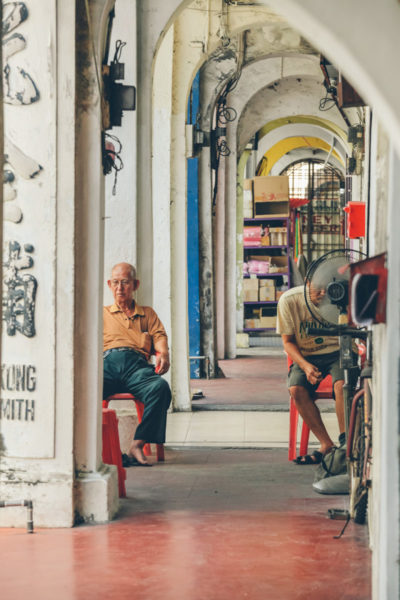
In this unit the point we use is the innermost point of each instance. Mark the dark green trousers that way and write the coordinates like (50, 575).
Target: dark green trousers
(128, 371)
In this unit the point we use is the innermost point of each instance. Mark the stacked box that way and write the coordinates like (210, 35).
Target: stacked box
(252, 236)
(268, 317)
(248, 199)
(252, 323)
(271, 196)
(278, 236)
(267, 290)
(250, 290)
(277, 264)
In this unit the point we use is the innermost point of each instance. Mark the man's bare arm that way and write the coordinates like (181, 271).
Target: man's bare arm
(162, 355)
(291, 348)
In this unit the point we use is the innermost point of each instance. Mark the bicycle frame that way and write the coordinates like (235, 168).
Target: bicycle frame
(358, 434)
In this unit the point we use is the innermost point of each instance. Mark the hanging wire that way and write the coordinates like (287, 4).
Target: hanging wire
(225, 114)
(114, 159)
(119, 45)
(327, 103)
(223, 148)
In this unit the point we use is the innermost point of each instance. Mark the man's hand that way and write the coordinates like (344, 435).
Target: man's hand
(162, 362)
(312, 373)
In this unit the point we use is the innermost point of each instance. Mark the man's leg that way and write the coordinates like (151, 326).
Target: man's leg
(156, 396)
(339, 404)
(311, 416)
(151, 389)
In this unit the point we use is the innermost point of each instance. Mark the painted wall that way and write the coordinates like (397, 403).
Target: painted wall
(34, 425)
(47, 353)
(121, 203)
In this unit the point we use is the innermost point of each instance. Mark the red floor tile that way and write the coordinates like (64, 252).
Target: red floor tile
(211, 524)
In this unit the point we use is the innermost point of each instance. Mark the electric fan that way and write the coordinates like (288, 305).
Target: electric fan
(326, 286)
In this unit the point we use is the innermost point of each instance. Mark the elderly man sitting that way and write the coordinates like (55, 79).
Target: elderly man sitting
(131, 334)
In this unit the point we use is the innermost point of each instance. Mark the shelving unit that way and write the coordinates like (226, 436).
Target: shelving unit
(253, 254)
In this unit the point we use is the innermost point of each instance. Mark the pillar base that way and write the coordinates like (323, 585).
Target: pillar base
(96, 495)
(52, 501)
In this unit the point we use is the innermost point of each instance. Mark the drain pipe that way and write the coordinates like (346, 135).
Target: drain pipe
(29, 506)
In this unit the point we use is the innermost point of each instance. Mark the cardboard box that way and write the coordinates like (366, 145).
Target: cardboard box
(268, 317)
(252, 323)
(271, 209)
(278, 236)
(278, 229)
(271, 188)
(250, 284)
(268, 322)
(250, 295)
(267, 294)
(267, 290)
(267, 283)
(271, 196)
(250, 290)
(277, 264)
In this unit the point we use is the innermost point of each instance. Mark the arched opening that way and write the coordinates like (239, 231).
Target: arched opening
(177, 161)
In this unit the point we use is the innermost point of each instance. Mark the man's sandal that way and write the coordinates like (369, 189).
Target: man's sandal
(309, 459)
(131, 461)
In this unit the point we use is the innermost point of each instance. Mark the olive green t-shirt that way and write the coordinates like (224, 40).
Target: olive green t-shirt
(294, 318)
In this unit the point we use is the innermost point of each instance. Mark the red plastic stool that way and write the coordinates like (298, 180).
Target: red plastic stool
(111, 447)
(324, 390)
(139, 411)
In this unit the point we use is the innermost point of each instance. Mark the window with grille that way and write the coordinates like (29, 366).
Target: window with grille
(322, 217)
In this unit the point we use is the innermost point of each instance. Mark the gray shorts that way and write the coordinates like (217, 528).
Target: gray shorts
(328, 364)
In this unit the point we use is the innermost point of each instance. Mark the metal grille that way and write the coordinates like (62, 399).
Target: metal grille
(322, 219)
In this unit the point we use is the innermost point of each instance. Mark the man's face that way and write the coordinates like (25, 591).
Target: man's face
(317, 293)
(122, 284)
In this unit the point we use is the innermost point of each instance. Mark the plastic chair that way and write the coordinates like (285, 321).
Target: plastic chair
(324, 391)
(111, 447)
(139, 411)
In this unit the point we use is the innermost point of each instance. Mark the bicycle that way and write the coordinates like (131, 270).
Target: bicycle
(359, 442)
(358, 417)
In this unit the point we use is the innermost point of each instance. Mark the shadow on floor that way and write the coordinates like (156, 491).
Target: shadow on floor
(215, 524)
(248, 383)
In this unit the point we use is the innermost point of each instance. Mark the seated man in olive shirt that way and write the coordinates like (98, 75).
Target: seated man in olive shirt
(131, 334)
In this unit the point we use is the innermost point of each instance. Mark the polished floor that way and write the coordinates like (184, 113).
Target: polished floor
(266, 375)
(226, 517)
(215, 524)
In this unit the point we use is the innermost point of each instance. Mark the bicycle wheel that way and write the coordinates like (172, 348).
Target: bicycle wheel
(358, 492)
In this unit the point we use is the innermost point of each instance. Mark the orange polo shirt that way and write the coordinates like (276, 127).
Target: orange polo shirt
(139, 331)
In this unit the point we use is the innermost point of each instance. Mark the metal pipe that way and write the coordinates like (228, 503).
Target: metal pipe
(207, 363)
(29, 506)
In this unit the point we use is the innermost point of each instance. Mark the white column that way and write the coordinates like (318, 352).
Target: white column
(96, 489)
(386, 471)
(219, 253)
(161, 183)
(230, 247)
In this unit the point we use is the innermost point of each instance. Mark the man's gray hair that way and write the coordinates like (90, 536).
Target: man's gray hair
(131, 268)
(133, 271)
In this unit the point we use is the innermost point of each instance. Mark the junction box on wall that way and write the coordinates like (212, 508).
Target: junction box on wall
(355, 222)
